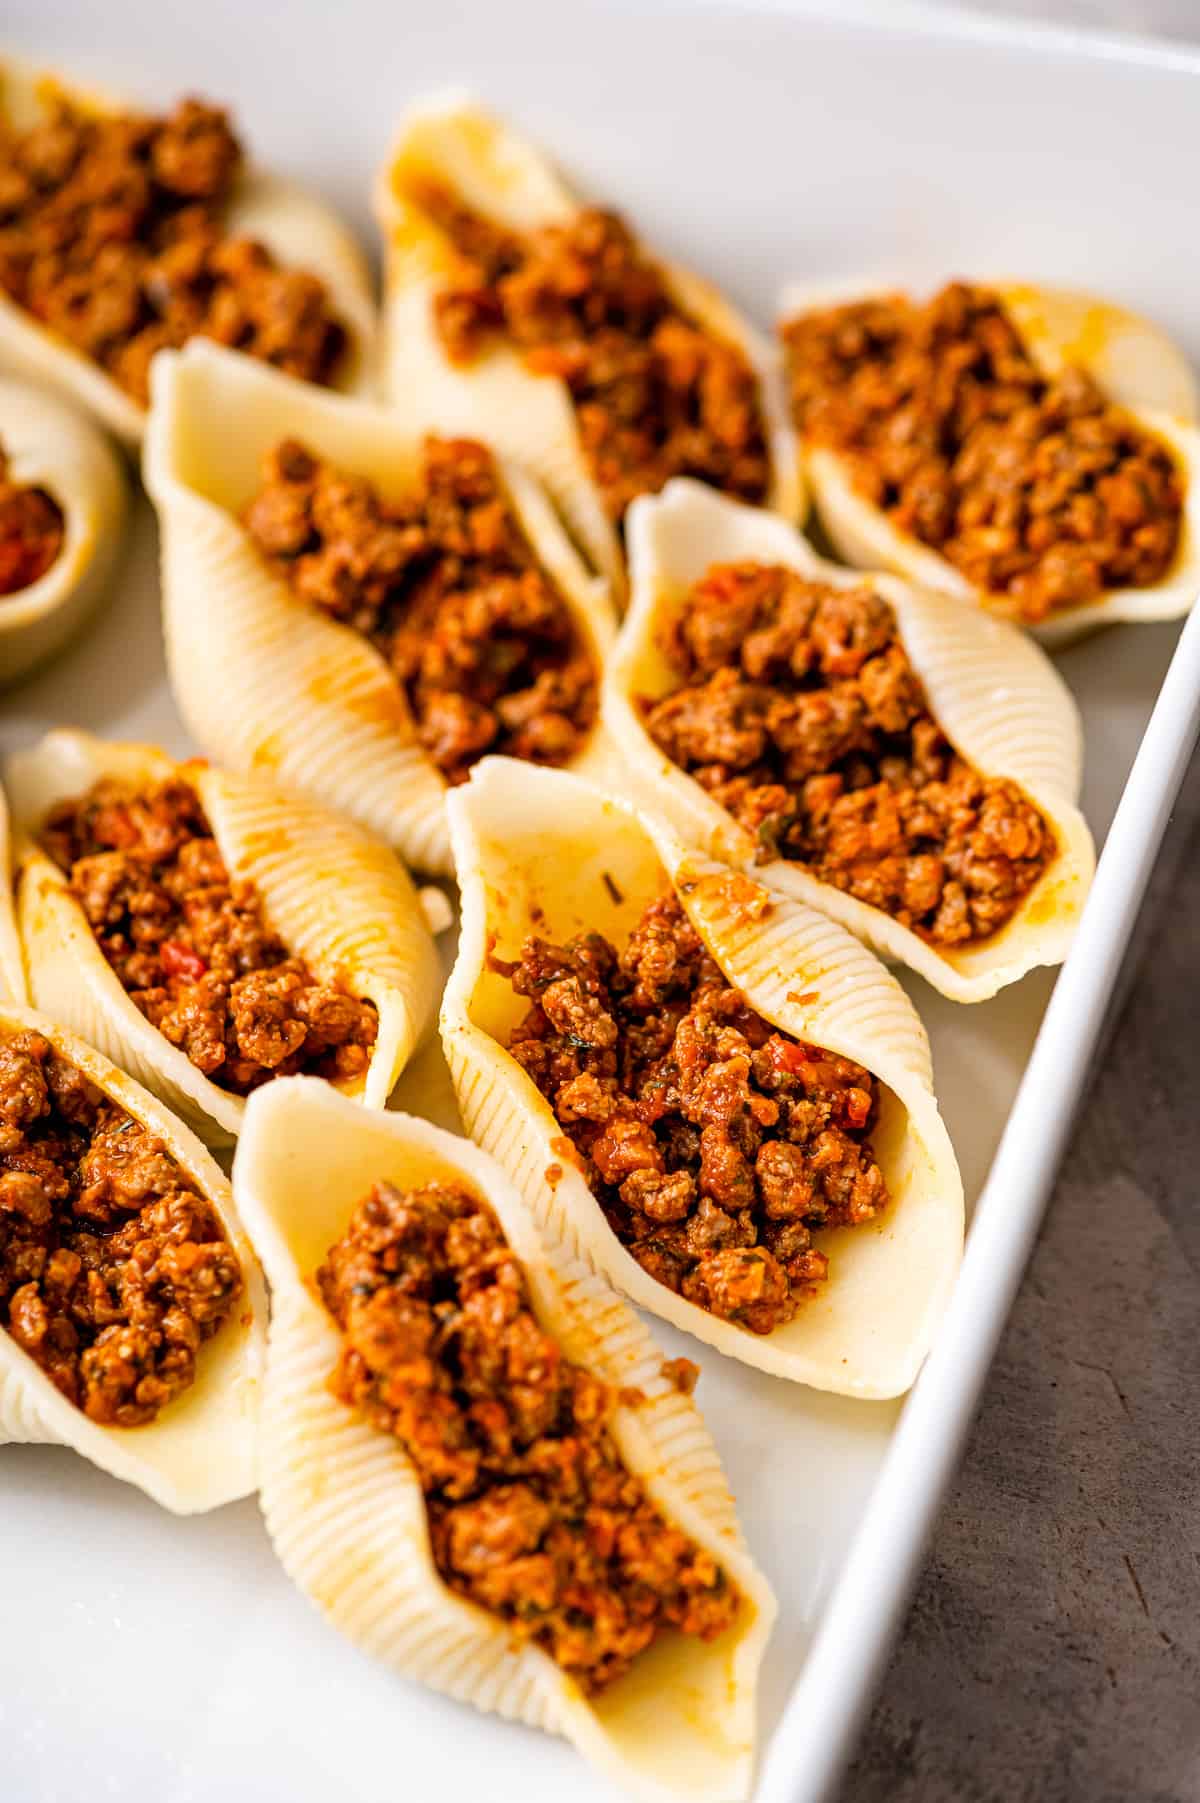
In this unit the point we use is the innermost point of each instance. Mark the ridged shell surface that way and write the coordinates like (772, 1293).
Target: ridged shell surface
(1139, 368)
(529, 417)
(201, 1450)
(337, 897)
(295, 227)
(544, 852)
(995, 694)
(53, 447)
(344, 1507)
(264, 681)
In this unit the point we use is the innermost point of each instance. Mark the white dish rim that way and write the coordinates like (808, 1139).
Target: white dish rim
(860, 1616)
(950, 22)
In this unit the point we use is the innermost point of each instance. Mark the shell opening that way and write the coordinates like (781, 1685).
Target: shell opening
(1006, 725)
(806, 979)
(1104, 528)
(345, 1508)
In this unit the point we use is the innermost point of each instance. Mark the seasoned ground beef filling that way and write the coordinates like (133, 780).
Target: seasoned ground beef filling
(714, 1143)
(114, 1270)
(191, 945)
(532, 1511)
(447, 588)
(31, 532)
(655, 395)
(111, 236)
(800, 713)
(1037, 488)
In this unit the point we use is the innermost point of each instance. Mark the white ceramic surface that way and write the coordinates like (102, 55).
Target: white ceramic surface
(144, 1657)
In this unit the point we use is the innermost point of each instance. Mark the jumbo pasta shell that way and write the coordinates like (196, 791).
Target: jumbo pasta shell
(264, 681)
(344, 1507)
(295, 227)
(996, 696)
(12, 964)
(52, 447)
(529, 417)
(1138, 367)
(337, 897)
(539, 851)
(201, 1451)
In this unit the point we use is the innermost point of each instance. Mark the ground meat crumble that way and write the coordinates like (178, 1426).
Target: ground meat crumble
(1035, 487)
(532, 1512)
(714, 1144)
(191, 945)
(447, 588)
(655, 394)
(800, 713)
(111, 236)
(31, 532)
(114, 1269)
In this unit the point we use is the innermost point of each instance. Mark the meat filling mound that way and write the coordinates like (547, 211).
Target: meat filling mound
(192, 946)
(114, 1269)
(31, 532)
(112, 236)
(714, 1144)
(1036, 487)
(447, 588)
(799, 712)
(655, 395)
(532, 1512)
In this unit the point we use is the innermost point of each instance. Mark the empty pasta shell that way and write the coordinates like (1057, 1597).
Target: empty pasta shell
(337, 897)
(299, 230)
(51, 447)
(542, 852)
(344, 1507)
(996, 696)
(201, 1450)
(453, 141)
(267, 682)
(1136, 365)
(12, 964)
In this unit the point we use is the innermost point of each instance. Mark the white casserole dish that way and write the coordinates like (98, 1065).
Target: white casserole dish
(833, 151)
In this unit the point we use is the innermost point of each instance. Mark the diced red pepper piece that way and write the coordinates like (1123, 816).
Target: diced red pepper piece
(788, 1055)
(181, 961)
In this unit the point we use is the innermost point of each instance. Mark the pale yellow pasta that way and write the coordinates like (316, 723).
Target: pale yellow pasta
(1135, 363)
(298, 229)
(529, 417)
(996, 696)
(336, 896)
(201, 1449)
(539, 851)
(343, 1504)
(267, 682)
(51, 446)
